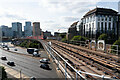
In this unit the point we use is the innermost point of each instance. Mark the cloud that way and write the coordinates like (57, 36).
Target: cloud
(70, 19)
(49, 21)
(14, 16)
(76, 6)
(11, 14)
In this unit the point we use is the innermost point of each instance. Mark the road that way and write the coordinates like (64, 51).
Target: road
(29, 65)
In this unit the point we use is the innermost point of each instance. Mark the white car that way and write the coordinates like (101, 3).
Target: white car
(35, 54)
(44, 60)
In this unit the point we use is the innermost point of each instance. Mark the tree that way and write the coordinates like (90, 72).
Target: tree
(3, 73)
(103, 37)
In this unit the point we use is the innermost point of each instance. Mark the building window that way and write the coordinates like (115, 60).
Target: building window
(102, 27)
(98, 18)
(87, 19)
(102, 18)
(93, 25)
(90, 18)
(86, 27)
(109, 28)
(105, 18)
(98, 26)
(93, 17)
(109, 18)
(105, 27)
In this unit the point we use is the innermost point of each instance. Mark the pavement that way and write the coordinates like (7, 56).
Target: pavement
(11, 73)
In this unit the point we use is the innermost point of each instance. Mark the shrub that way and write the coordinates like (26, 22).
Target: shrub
(64, 39)
(103, 37)
(117, 42)
(78, 38)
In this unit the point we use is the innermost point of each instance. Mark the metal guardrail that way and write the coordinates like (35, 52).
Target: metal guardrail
(78, 73)
(65, 61)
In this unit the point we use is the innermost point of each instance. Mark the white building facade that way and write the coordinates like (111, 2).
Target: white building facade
(98, 21)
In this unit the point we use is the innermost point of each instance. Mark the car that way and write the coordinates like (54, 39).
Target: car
(3, 46)
(3, 58)
(15, 49)
(11, 63)
(44, 66)
(8, 48)
(35, 54)
(33, 78)
(44, 60)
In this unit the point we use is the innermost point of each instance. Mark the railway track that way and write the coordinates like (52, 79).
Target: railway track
(64, 54)
(101, 62)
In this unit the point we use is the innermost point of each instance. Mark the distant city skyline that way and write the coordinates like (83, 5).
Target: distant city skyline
(53, 15)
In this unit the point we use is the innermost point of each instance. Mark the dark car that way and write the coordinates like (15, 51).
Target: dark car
(3, 58)
(11, 63)
(15, 49)
(8, 48)
(44, 66)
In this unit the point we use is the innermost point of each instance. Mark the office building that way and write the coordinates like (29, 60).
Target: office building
(17, 29)
(36, 29)
(28, 29)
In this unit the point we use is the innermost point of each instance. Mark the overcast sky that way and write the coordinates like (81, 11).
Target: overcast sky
(52, 14)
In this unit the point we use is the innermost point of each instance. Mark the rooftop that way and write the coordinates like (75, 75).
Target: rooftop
(104, 11)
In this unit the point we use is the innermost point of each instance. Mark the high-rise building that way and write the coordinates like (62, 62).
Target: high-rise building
(17, 29)
(36, 29)
(6, 31)
(28, 29)
(119, 7)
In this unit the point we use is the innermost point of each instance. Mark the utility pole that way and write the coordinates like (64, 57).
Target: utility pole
(20, 74)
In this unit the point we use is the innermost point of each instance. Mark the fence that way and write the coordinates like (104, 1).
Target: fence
(67, 74)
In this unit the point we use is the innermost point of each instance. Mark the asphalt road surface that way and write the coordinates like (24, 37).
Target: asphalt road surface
(28, 65)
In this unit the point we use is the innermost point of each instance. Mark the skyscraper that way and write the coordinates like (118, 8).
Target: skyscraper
(36, 29)
(28, 29)
(17, 29)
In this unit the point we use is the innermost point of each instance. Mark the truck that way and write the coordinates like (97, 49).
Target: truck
(32, 50)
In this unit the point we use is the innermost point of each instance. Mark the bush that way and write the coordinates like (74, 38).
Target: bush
(117, 42)
(78, 38)
(3, 74)
(64, 39)
(103, 37)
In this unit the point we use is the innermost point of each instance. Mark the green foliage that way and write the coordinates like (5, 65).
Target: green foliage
(3, 74)
(64, 39)
(78, 38)
(31, 44)
(103, 37)
(63, 35)
(117, 42)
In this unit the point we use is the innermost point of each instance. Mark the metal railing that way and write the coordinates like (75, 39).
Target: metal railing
(50, 50)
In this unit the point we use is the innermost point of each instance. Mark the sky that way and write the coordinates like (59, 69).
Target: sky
(53, 15)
